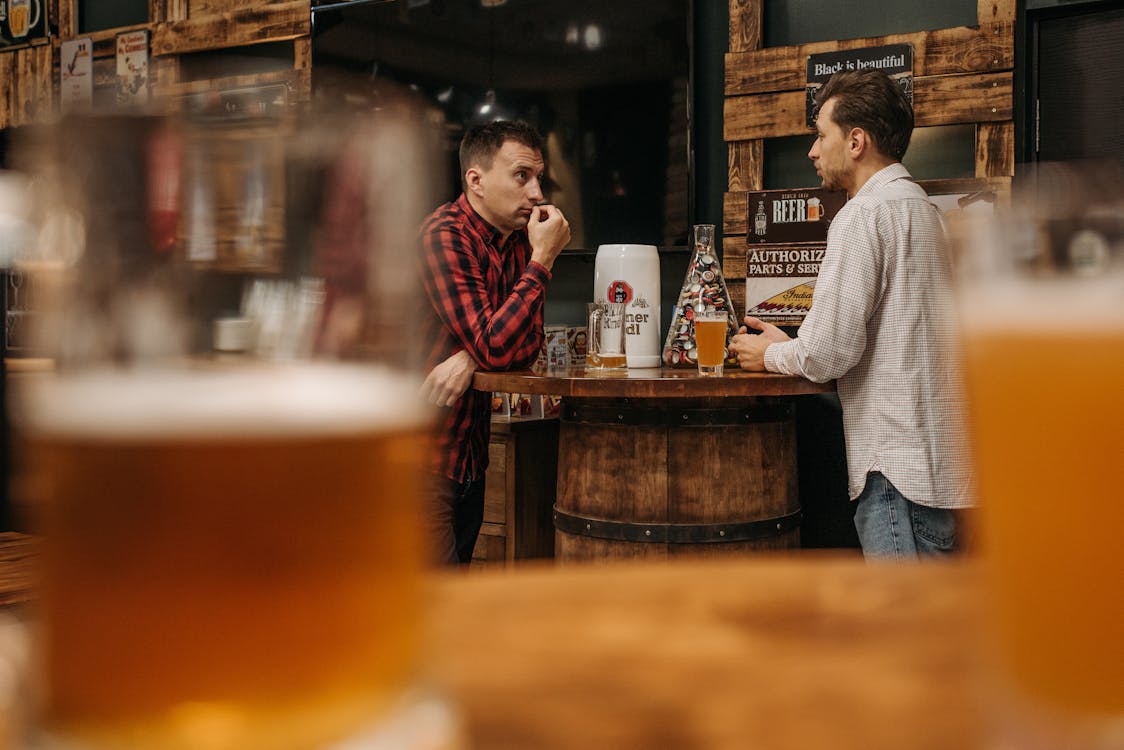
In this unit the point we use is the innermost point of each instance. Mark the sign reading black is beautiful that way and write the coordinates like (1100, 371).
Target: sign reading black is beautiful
(896, 60)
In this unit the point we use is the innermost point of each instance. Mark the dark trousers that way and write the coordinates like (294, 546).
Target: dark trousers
(453, 519)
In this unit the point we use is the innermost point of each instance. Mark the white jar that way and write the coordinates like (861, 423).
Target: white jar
(631, 274)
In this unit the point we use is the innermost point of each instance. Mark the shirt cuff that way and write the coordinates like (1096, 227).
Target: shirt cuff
(771, 357)
(538, 272)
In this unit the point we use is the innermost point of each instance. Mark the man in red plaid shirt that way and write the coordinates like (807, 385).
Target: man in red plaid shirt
(485, 262)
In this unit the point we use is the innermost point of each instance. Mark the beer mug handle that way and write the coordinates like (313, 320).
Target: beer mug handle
(593, 333)
(35, 19)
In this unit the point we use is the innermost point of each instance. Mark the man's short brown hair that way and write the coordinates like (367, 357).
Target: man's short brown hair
(871, 100)
(481, 142)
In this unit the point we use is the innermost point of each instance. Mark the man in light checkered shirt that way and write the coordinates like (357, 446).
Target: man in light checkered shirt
(881, 326)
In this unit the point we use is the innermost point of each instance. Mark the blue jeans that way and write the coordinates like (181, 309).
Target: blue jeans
(890, 526)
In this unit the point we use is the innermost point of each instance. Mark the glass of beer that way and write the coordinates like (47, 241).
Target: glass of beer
(1041, 302)
(607, 336)
(710, 339)
(232, 549)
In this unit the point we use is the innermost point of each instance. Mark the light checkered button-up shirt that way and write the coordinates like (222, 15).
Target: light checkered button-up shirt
(881, 325)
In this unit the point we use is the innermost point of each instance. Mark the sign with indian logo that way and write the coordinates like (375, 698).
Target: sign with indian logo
(780, 280)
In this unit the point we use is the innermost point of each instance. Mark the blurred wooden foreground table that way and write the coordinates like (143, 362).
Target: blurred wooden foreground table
(770, 652)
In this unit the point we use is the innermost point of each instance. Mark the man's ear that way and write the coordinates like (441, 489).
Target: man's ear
(472, 179)
(857, 142)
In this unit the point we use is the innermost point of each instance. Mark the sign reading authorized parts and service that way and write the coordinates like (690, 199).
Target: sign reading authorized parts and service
(785, 245)
(896, 60)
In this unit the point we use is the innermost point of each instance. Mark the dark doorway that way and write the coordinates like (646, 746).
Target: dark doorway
(1075, 107)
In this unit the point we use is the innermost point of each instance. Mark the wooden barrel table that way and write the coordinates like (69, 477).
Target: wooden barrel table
(658, 463)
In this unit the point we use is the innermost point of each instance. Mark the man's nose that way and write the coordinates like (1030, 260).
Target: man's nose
(813, 152)
(536, 191)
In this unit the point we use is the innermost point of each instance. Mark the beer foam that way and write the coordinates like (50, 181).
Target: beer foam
(1068, 304)
(256, 401)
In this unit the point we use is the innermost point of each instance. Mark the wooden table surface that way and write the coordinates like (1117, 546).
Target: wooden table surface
(802, 651)
(647, 383)
(799, 651)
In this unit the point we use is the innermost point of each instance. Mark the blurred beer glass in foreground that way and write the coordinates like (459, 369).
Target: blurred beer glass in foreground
(1042, 312)
(232, 553)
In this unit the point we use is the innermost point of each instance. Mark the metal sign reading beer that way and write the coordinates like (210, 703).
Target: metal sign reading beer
(896, 60)
(783, 216)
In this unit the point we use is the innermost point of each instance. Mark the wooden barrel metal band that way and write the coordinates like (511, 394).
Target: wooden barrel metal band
(634, 415)
(675, 533)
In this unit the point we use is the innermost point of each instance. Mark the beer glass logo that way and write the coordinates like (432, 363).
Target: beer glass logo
(815, 209)
(22, 15)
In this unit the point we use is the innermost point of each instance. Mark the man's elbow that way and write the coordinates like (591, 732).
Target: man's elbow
(821, 371)
(501, 361)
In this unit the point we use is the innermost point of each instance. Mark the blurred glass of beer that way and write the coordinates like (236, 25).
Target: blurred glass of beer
(1042, 315)
(232, 554)
(232, 558)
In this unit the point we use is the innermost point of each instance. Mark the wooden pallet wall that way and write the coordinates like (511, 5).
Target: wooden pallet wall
(961, 75)
(29, 76)
(25, 85)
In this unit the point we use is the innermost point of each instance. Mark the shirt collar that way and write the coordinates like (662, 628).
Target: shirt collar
(477, 222)
(884, 177)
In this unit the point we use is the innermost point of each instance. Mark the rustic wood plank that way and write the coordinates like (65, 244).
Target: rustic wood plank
(68, 18)
(737, 295)
(735, 217)
(7, 63)
(733, 259)
(19, 556)
(175, 10)
(745, 165)
(164, 74)
(302, 62)
(763, 116)
(302, 54)
(745, 24)
(277, 21)
(995, 149)
(1000, 185)
(942, 52)
(937, 100)
(945, 100)
(19, 86)
(25, 84)
(45, 80)
(290, 78)
(995, 12)
(27, 74)
(201, 8)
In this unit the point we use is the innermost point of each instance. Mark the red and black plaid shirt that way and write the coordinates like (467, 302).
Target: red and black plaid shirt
(484, 298)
